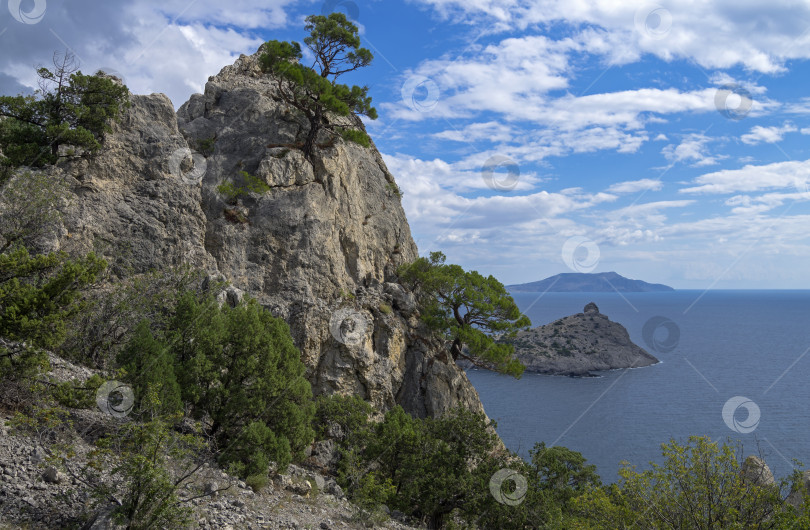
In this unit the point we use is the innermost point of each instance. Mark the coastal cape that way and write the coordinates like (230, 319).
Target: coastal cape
(578, 345)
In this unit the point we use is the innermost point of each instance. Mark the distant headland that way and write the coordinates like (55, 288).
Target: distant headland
(578, 345)
(576, 282)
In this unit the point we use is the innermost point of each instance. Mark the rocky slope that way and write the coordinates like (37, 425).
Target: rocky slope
(319, 249)
(34, 494)
(578, 345)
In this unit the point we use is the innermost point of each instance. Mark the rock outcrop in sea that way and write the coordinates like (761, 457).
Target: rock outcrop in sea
(578, 345)
(319, 248)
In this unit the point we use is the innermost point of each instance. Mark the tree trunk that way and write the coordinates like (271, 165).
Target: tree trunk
(455, 349)
(314, 127)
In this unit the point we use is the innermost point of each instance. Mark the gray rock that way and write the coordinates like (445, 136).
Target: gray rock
(327, 228)
(756, 471)
(402, 300)
(798, 492)
(333, 488)
(578, 345)
(319, 481)
(52, 476)
(325, 455)
(211, 489)
(299, 486)
(103, 519)
(335, 430)
(231, 296)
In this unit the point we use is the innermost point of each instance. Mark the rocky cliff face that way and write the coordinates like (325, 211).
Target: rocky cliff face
(579, 344)
(319, 248)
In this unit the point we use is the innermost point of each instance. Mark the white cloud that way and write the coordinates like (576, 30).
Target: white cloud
(460, 177)
(489, 131)
(745, 204)
(693, 148)
(759, 134)
(719, 34)
(634, 186)
(438, 212)
(800, 107)
(792, 174)
(170, 47)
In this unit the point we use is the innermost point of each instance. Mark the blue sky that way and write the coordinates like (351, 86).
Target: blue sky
(667, 141)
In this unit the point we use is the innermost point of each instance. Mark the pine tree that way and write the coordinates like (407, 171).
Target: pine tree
(314, 91)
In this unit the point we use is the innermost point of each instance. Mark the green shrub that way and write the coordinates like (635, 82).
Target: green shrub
(205, 146)
(395, 190)
(421, 466)
(254, 183)
(147, 464)
(77, 394)
(350, 413)
(239, 367)
(97, 335)
(699, 485)
(30, 208)
(230, 191)
(257, 482)
(150, 369)
(386, 309)
(39, 294)
(346, 295)
(356, 136)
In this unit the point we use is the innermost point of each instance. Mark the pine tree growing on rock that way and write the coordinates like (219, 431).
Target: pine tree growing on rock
(314, 91)
(466, 309)
(69, 108)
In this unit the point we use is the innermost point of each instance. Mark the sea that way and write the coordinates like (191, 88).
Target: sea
(735, 366)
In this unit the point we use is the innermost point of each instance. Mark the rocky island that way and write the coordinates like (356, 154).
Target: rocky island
(578, 345)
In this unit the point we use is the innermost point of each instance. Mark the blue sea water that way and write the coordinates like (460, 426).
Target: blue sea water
(725, 344)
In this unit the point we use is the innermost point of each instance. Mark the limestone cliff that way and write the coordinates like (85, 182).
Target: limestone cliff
(578, 345)
(320, 248)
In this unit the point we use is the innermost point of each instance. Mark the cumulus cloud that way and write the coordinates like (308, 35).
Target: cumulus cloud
(791, 174)
(170, 47)
(771, 135)
(719, 34)
(634, 186)
(692, 149)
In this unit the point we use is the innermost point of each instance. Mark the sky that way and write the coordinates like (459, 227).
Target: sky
(667, 141)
